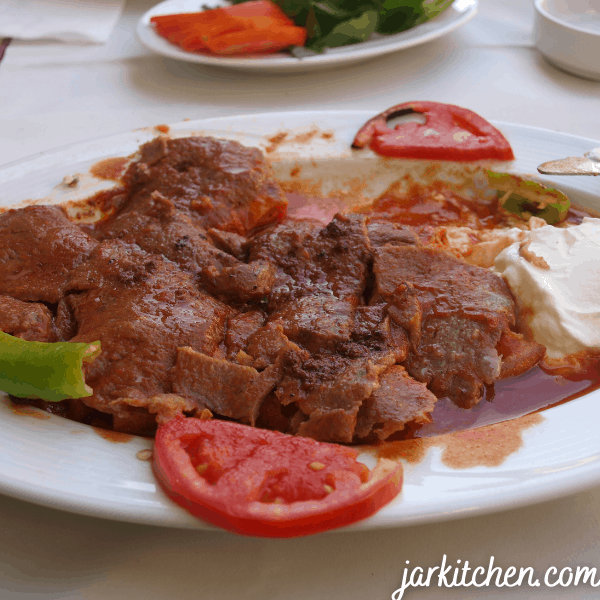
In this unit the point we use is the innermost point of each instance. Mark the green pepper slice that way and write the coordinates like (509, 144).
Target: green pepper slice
(525, 198)
(51, 372)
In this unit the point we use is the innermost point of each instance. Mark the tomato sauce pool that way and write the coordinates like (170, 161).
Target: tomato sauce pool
(507, 399)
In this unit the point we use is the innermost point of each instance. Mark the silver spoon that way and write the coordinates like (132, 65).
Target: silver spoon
(588, 164)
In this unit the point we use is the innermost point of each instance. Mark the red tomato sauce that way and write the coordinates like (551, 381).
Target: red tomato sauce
(110, 168)
(507, 399)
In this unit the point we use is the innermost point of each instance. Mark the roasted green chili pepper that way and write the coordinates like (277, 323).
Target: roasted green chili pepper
(526, 199)
(51, 372)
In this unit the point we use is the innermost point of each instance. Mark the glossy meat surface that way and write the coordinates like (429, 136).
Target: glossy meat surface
(163, 229)
(217, 183)
(460, 313)
(38, 248)
(207, 300)
(400, 399)
(26, 320)
(142, 308)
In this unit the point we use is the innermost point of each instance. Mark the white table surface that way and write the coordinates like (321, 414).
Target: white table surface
(53, 94)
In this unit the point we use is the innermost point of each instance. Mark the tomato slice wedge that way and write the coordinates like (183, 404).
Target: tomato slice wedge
(449, 133)
(268, 484)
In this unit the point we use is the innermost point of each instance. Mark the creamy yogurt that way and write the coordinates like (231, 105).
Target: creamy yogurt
(555, 272)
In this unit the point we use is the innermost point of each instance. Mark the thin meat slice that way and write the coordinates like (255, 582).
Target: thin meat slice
(151, 152)
(382, 232)
(217, 183)
(330, 386)
(26, 320)
(317, 321)
(458, 357)
(232, 243)
(342, 251)
(241, 282)
(518, 354)
(283, 244)
(64, 322)
(273, 415)
(444, 284)
(316, 260)
(162, 229)
(329, 390)
(142, 308)
(399, 400)
(333, 397)
(331, 424)
(240, 329)
(164, 406)
(287, 247)
(270, 344)
(225, 388)
(464, 312)
(405, 311)
(38, 248)
(328, 276)
(375, 336)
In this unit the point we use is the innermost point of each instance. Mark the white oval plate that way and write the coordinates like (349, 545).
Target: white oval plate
(59, 463)
(459, 13)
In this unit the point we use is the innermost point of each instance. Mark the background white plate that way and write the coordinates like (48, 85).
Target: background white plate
(459, 13)
(62, 464)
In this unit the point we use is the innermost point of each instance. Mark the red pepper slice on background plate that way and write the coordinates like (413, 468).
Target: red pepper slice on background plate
(250, 27)
(251, 41)
(449, 133)
(265, 483)
(247, 10)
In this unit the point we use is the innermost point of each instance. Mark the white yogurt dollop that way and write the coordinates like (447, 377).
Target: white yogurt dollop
(555, 272)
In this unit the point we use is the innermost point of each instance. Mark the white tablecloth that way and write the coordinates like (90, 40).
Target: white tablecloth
(53, 94)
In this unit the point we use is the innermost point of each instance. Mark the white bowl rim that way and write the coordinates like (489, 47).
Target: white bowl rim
(542, 10)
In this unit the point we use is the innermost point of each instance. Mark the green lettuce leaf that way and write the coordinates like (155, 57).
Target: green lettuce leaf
(333, 23)
(351, 31)
(400, 15)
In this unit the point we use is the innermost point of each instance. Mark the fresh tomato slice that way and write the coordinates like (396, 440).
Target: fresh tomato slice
(449, 133)
(264, 483)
